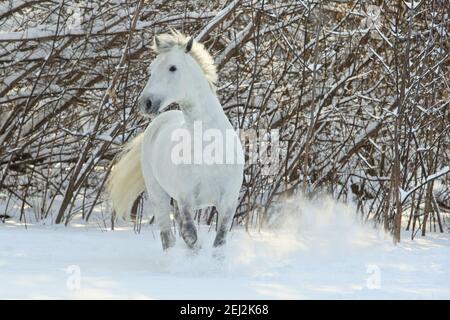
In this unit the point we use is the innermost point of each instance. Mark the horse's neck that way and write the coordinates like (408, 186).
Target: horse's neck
(207, 109)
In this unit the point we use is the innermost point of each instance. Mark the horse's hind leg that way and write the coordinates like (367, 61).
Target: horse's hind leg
(162, 215)
(226, 214)
(160, 201)
(187, 228)
(161, 204)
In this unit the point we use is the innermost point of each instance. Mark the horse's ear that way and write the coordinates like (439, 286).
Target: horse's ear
(157, 42)
(189, 44)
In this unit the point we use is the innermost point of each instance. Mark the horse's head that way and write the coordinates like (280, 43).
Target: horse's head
(178, 73)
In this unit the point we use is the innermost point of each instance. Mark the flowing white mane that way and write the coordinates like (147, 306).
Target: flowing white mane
(168, 41)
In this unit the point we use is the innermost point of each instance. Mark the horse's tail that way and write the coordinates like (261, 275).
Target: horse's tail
(126, 181)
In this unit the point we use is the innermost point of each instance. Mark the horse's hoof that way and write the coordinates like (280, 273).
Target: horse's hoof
(189, 234)
(220, 239)
(167, 239)
(218, 254)
(218, 242)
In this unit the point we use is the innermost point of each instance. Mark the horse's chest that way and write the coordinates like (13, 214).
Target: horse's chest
(197, 188)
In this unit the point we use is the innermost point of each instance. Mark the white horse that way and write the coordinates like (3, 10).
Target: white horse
(165, 160)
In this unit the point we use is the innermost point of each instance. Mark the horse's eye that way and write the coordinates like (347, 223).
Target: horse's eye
(173, 69)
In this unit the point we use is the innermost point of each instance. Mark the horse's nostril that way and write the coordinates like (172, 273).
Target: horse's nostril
(149, 104)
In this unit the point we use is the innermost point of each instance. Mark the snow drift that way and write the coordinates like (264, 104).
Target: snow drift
(315, 249)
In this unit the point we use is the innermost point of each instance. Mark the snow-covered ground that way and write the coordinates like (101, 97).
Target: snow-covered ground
(320, 253)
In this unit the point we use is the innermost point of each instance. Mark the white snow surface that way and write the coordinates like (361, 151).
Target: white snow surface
(319, 250)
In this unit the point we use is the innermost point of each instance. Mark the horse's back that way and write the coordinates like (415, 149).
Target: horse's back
(157, 143)
(164, 120)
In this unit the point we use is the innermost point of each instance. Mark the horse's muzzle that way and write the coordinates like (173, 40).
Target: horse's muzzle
(148, 106)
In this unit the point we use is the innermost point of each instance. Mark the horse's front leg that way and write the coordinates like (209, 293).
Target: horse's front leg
(187, 228)
(226, 215)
